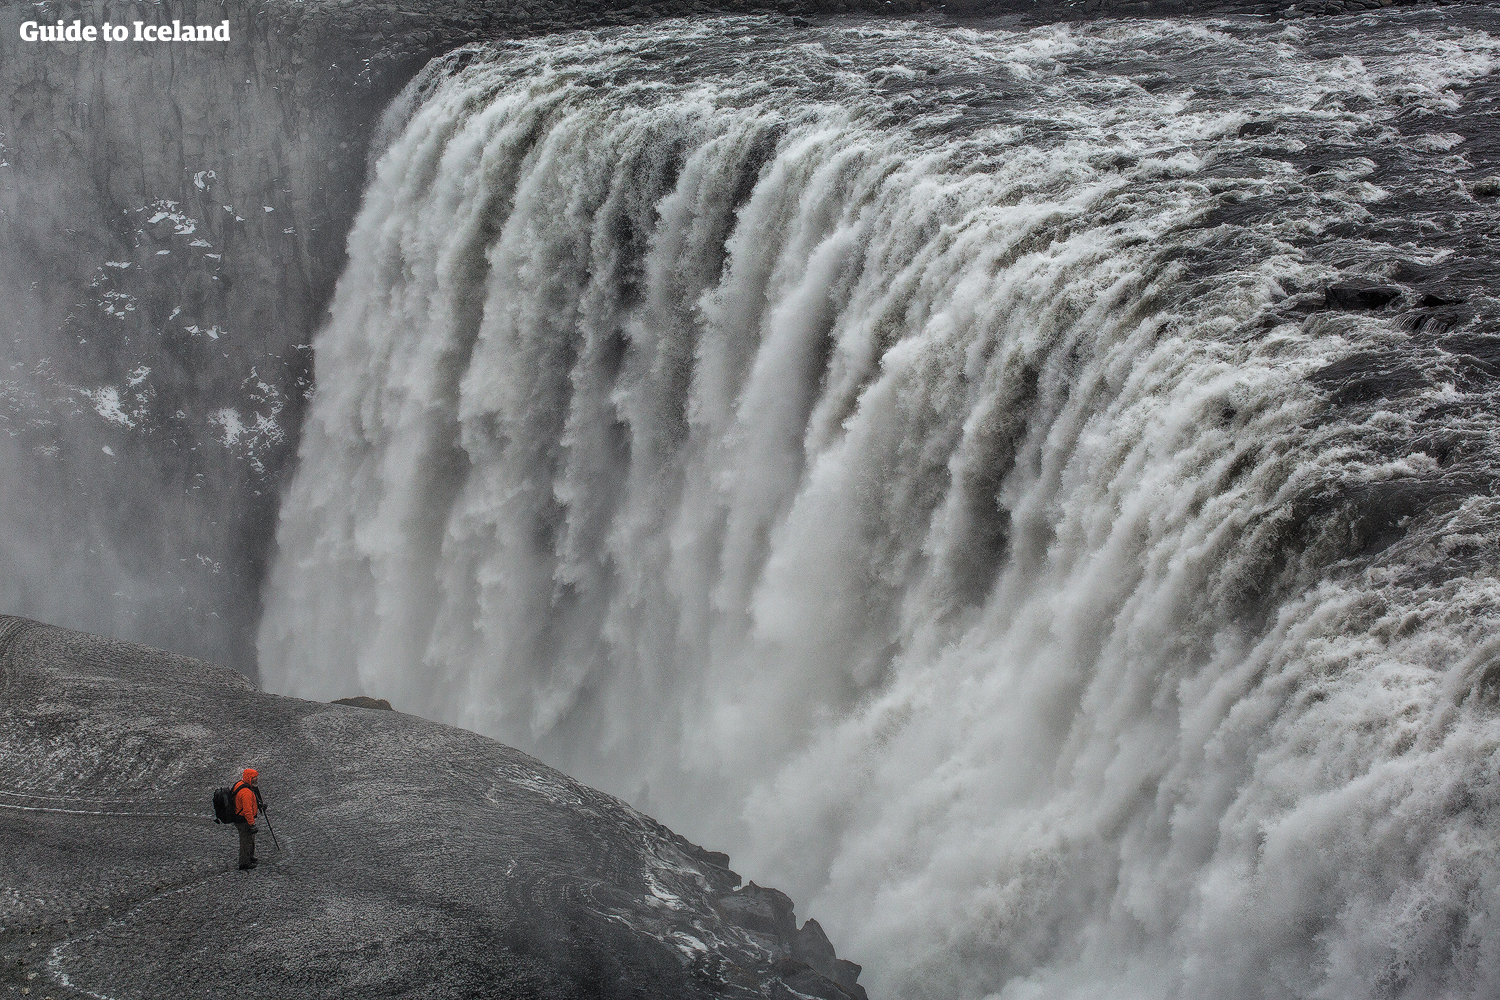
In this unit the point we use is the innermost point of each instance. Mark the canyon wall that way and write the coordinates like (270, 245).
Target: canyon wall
(171, 222)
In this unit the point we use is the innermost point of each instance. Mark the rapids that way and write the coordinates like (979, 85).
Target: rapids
(926, 462)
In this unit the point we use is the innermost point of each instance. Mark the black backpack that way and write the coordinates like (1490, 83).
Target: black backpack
(224, 803)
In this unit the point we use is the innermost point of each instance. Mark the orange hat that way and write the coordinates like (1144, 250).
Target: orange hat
(250, 775)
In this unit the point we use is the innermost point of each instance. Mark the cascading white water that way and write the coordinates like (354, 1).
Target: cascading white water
(876, 452)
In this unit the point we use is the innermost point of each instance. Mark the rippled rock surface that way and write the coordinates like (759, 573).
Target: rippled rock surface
(415, 859)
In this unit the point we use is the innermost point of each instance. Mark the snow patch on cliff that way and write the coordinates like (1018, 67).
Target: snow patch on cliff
(106, 400)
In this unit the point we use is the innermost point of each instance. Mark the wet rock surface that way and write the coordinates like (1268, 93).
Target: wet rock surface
(415, 859)
(1360, 296)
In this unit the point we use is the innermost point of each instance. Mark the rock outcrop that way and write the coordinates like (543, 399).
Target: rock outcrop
(414, 859)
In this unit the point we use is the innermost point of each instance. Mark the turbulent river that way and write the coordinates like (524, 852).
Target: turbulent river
(960, 471)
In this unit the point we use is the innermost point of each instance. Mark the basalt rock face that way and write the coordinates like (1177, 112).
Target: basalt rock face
(172, 219)
(414, 859)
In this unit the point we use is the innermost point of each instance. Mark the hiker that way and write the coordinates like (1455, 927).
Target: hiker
(246, 807)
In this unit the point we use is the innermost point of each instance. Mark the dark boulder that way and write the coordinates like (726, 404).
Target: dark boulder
(812, 947)
(1360, 296)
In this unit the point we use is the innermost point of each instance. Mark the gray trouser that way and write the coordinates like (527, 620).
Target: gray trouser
(247, 842)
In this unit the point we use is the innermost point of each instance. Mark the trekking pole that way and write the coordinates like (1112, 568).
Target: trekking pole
(267, 813)
(262, 803)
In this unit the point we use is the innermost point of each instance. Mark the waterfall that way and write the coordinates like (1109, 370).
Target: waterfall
(916, 459)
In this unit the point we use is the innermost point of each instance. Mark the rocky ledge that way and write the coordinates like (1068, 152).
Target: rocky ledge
(414, 859)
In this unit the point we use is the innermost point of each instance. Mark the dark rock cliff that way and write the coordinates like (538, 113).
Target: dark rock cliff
(172, 219)
(414, 859)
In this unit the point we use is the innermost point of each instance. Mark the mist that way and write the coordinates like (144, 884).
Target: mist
(932, 464)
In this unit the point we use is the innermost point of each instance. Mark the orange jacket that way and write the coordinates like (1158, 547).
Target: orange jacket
(246, 806)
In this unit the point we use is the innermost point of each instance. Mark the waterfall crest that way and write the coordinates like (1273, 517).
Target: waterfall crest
(906, 457)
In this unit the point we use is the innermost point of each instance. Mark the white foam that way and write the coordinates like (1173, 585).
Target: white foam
(904, 526)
